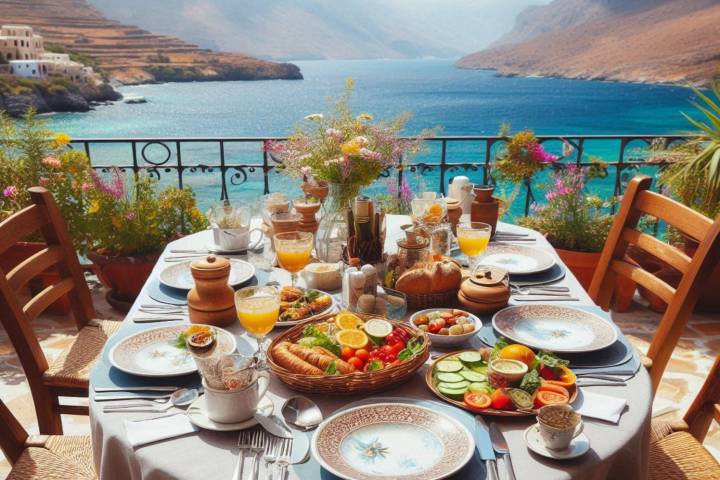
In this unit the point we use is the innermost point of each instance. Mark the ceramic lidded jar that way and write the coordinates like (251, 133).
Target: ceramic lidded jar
(212, 300)
(486, 290)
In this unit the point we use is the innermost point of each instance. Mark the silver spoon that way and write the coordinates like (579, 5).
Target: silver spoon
(179, 398)
(302, 412)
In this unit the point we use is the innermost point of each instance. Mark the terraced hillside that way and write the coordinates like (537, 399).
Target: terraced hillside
(130, 54)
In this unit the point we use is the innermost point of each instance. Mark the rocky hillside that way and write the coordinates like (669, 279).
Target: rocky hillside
(656, 41)
(130, 54)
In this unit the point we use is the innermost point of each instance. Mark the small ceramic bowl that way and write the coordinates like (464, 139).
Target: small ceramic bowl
(515, 375)
(448, 340)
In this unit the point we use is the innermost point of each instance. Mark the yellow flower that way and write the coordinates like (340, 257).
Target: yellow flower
(364, 117)
(61, 139)
(350, 148)
(94, 207)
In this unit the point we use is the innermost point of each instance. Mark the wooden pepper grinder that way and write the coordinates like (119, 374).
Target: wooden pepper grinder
(212, 300)
(454, 212)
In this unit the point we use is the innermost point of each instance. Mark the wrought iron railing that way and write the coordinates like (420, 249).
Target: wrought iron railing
(621, 153)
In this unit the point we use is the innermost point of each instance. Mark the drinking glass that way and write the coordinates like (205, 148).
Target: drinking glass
(473, 239)
(293, 251)
(258, 309)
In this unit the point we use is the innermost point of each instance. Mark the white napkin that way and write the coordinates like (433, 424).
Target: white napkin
(597, 405)
(141, 432)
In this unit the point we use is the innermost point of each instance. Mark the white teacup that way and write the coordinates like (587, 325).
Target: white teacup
(559, 424)
(233, 406)
(231, 239)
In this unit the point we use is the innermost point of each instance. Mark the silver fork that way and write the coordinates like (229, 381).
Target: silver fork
(243, 445)
(284, 457)
(272, 444)
(257, 441)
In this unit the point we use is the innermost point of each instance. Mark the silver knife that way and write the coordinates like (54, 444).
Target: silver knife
(484, 448)
(500, 446)
(274, 425)
(106, 398)
(135, 389)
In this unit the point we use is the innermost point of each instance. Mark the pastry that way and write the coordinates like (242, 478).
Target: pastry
(283, 357)
(341, 365)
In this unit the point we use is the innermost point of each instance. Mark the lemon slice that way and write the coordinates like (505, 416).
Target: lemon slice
(354, 338)
(377, 328)
(347, 321)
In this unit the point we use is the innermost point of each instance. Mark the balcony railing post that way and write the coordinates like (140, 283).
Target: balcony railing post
(223, 171)
(443, 165)
(266, 173)
(178, 154)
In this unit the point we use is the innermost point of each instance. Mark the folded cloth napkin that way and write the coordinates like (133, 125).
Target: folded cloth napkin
(141, 432)
(597, 405)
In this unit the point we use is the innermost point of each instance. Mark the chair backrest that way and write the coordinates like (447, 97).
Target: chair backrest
(12, 434)
(41, 217)
(706, 405)
(639, 200)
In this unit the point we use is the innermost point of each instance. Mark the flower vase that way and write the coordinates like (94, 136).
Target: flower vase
(332, 232)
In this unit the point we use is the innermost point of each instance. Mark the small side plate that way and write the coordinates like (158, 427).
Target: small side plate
(197, 414)
(179, 275)
(579, 445)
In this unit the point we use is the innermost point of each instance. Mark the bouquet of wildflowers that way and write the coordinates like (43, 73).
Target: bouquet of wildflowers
(572, 219)
(521, 157)
(344, 149)
(397, 200)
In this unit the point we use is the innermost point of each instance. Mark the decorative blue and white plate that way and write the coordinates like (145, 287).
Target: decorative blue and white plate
(392, 440)
(554, 327)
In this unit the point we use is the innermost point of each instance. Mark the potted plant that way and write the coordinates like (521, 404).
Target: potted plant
(577, 225)
(691, 174)
(31, 155)
(346, 151)
(131, 224)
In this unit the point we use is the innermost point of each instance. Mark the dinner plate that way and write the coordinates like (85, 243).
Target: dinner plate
(197, 414)
(330, 309)
(179, 275)
(517, 259)
(554, 327)
(392, 440)
(152, 352)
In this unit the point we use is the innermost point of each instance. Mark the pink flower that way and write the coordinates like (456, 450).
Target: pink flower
(43, 181)
(334, 133)
(370, 155)
(272, 146)
(550, 196)
(538, 153)
(86, 187)
(116, 190)
(347, 167)
(52, 162)
(391, 188)
(9, 191)
(130, 216)
(406, 193)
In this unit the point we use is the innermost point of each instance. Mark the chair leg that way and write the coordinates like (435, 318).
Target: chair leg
(48, 414)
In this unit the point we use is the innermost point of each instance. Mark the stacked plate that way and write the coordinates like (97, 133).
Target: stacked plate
(518, 259)
(179, 276)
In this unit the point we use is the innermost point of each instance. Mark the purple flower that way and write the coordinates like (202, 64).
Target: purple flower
(130, 216)
(406, 193)
(9, 191)
(391, 188)
(116, 190)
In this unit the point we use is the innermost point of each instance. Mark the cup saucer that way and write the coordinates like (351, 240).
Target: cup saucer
(215, 248)
(579, 445)
(197, 414)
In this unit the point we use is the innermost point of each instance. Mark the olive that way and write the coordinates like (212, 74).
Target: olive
(456, 330)
(444, 331)
(468, 327)
(461, 320)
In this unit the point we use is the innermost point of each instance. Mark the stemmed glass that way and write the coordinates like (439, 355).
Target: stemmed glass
(258, 309)
(473, 239)
(293, 251)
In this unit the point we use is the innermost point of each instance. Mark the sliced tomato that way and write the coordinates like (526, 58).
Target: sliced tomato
(547, 373)
(565, 378)
(551, 386)
(477, 401)
(501, 400)
(546, 397)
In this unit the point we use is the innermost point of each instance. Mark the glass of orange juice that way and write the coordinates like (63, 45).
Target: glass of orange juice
(258, 309)
(473, 239)
(293, 251)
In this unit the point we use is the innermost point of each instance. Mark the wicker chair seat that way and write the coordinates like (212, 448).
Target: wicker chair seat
(679, 456)
(57, 458)
(72, 367)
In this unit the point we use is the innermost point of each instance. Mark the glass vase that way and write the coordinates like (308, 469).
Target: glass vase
(332, 232)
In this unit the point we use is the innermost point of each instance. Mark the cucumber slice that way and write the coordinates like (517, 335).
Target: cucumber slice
(482, 369)
(454, 386)
(520, 398)
(449, 377)
(470, 358)
(448, 366)
(471, 376)
(480, 387)
(455, 393)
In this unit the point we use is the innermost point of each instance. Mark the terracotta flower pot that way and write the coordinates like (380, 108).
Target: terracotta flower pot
(126, 275)
(21, 251)
(319, 191)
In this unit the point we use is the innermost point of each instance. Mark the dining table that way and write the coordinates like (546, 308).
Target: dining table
(617, 450)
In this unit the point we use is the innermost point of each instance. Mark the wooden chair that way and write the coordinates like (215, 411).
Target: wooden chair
(68, 375)
(676, 450)
(53, 457)
(639, 200)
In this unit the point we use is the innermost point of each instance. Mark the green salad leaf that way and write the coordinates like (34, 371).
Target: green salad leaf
(181, 341)
(319, 339)
(412, 348)
(332, 369)
(374, 365)
(530, 382)
(500, 343)
(550, 360)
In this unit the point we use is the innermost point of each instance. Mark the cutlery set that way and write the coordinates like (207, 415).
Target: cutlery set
(542, 293)
(161, 313)
(275, 453)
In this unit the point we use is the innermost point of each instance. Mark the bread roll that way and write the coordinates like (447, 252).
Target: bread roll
(417, 281)
(447, 276)
(283, 357)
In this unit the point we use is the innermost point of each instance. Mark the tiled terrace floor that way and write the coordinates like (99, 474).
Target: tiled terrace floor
(691, 361)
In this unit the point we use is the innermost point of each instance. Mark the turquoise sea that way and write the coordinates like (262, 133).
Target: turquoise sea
(461, 102)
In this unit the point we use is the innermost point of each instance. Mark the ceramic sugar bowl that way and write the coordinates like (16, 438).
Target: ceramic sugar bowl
(212, 300)
(487, 290)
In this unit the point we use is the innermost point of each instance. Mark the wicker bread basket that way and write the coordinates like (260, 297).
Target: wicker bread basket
(420, 301)
(353, 383)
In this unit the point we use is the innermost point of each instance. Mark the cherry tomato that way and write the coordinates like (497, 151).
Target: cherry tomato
(477, 401)
(387, 349)
(346, 353)
(547, 373)
(546, 397)
(356, 362)
(362, 354)
(501, 400)
(391, 358)
(397, 347)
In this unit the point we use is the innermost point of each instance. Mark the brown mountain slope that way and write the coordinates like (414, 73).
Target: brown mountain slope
(675, 41)
(132, 55)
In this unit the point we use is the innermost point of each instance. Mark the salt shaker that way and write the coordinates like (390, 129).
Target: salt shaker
(371, 280)
(346, 285)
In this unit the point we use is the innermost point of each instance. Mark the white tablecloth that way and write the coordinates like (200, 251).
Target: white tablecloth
(617, 451)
